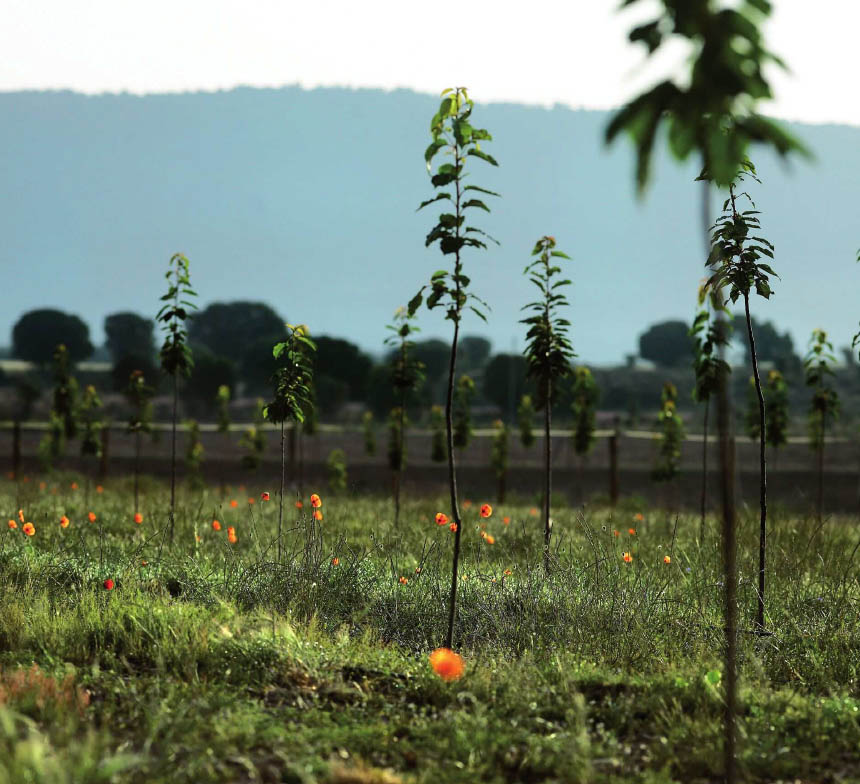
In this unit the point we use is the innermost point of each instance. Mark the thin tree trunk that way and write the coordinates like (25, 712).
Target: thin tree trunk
(173, 460)
(281, 496)
(399, 470)
(821, 473)
(704, 471)
(547, 525)
(452, 482)
(762, 544)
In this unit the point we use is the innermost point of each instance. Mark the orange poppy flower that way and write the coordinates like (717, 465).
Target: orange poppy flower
(316, 502)
(506, 520)
(631, 531)
(21, 515)
(403, 580)
(29, 529)
(335, 561)
(299, 504)
(489, 539)
(508, 572)
(453, 527)
(197, 537)
(216, 526)
(318, 514)
(441, 518)
(639, 517)
(108, 584)
(264, 496)
(74, 485)
(234, 503)
(252, 501)
(466, 504)
(232, 538)
(616, 533)
(486, 510)
(667, 559)
(99, 489)
(231, 531)
(533, 511)
(64, 522)
(13, 524)
(449, 666)
(91, 516)
(138, 518)
(627, 558)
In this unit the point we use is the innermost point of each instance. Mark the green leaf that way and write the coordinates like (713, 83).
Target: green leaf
(483, 156)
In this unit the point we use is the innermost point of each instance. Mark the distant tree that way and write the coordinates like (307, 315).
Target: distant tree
(37, 333)
(505, 381)
(229, 328)
(474, 352)
(129, 334)
(667, 344)
(770, 346)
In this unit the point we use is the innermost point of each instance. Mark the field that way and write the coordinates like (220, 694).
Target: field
(216, 661)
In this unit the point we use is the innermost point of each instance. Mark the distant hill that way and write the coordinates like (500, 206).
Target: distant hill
(306, 200)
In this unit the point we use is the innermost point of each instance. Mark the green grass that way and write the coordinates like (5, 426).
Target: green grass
(213, 662)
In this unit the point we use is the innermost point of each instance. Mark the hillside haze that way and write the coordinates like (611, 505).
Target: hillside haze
(305, 199)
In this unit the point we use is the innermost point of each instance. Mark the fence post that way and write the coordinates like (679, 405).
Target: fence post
(613, 463)
(16, 449)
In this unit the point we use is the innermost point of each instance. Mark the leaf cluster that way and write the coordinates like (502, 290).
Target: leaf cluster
(396, 441)
(736, 249)
(499, 451)
(671, 436)
(293, 377)
(548, 351)
(65, 405)
(407, 372)
(525, 420)
(709, 335)
(454, 136)
(462, 414)
(92, 424)
(584, 408)
(175, 353)
(712, 108)
(818, 370)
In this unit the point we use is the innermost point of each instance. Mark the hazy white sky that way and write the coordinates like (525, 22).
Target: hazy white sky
(542, 51)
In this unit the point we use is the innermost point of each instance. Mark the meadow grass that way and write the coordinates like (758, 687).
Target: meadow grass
(211, 661)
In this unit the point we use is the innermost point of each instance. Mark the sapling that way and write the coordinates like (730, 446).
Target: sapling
(253, 439)
(175, 355)
(222, 405)
(463, 395)
(710, 338)
(584, 409)
(711, 110)
(193, 453)
(336, 467)
(499, 460)
(64, 409)
(91, 427)
(451, 131)
(825, 401)
(407, 375)
(291, 391)
(525, 420)
(139, 395)
(548, 352)
(671, 435)
(736, 253)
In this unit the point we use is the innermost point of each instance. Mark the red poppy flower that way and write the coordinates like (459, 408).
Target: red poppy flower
(449, 666)
(264, 496)
(486, 510)
(441, 518)
(108, 584)
(138, 518)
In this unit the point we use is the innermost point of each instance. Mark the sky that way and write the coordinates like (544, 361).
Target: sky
(544, 52)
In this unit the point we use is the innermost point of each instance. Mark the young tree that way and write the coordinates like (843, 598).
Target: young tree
(91, 424)
(499, 458)
(253, 440)
(291, 383)
(336, 466)
(525, 420)
(776, 401)
(548, 353)
(710, 338)
(710, 111)
(736, 252)
(407, 375)
(463, 412)
(825, 401)
(671, 435)
(139, 395)
(175, 355)
(193, 453)
(452, 131)
(584, 410)
(64, 410)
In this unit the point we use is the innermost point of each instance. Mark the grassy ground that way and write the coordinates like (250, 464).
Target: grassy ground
(214, 662)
